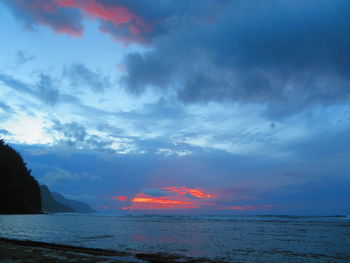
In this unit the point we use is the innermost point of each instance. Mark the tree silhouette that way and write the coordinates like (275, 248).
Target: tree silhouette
(19, 191)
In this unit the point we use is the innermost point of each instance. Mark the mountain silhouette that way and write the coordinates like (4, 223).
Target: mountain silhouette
(50, 205)
(78, 206)
(19, 191)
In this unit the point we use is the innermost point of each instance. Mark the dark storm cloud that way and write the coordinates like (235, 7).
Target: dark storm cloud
(79, 75)
(286, 56)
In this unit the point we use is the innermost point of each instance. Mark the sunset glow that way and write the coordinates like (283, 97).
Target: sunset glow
(158, 206)
(175, 197)
(157, 200)
(120, 198)
(182, 190)
(182, 197)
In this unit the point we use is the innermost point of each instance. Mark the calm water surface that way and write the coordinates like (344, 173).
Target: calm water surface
(233, 239)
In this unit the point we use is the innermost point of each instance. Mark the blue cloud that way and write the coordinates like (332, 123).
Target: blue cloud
(285, 56)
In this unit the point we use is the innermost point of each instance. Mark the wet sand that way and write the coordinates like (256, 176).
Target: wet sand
(17, 251)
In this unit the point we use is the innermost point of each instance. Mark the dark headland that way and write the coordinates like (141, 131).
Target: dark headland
(19, 191)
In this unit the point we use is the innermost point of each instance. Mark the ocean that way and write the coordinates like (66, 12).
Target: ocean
(221, 238)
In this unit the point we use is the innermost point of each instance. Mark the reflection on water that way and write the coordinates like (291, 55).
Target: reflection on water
(244, 239)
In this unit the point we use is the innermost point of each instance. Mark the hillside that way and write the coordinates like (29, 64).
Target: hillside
(50, 205)
(78, 206)
(19, 191)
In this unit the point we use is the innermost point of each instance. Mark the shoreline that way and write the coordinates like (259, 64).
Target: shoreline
(13, 250)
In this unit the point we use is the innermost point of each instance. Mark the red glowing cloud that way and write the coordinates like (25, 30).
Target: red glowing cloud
(170, 198)
(181, 197)
(182, 190)
(142, 198)
(120, 198)
(154, 206)
(117, 15)
(146, 202)
(67, 16)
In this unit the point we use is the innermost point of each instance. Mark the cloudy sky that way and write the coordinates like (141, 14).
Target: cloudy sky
(177, 106)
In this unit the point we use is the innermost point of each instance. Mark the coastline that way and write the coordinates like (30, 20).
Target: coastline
(18, 251)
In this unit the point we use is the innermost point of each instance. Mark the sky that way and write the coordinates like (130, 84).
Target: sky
(181, 107)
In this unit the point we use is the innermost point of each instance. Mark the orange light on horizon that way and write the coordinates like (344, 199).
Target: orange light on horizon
(176, 197)
(157, 206)
(158, 201)
(140, 198)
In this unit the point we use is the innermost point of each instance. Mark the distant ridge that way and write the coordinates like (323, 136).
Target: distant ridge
(79, 207)
(50, 205)
(53, 202)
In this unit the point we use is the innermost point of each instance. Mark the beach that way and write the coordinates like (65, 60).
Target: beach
(18, 251)
(29, 251)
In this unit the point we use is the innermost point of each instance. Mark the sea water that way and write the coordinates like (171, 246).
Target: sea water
(226, 238)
